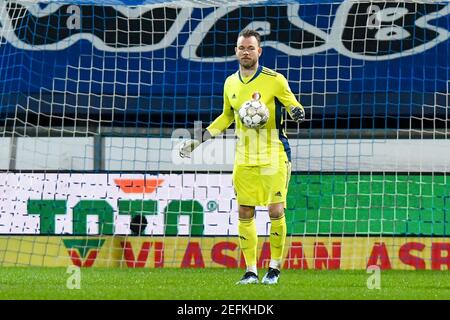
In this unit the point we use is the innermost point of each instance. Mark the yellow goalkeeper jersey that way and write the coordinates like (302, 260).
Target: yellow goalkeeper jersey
(266, 145)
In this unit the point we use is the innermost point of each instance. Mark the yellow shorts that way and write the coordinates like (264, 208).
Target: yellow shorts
(261, 185)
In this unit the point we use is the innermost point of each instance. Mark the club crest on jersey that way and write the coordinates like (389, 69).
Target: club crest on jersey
(256, 96)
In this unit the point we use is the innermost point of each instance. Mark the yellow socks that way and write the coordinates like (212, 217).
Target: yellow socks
(248, 241)
(277, 241)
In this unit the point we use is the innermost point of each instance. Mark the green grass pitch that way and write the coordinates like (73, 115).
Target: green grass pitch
(218, 284)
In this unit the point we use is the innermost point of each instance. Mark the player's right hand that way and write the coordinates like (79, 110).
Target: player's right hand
(187, 147)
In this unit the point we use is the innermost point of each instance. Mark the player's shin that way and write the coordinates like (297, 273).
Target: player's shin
(248, 241)
(277, 241)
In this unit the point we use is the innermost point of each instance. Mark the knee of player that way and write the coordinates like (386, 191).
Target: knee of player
(276, 212)
(246, 212)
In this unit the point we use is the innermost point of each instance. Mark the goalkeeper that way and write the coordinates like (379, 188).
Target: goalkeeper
(262, 164)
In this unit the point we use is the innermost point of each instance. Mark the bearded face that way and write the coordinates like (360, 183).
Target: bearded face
(248, 52)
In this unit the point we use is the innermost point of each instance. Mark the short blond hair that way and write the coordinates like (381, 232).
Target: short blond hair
(247, 33)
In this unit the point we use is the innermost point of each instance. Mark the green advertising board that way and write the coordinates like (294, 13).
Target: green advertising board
(372, 203)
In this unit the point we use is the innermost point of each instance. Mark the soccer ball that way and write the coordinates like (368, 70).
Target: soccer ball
(254, 114)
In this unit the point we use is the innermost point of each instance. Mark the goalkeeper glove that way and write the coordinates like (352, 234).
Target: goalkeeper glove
(298, 114)
(187, 147)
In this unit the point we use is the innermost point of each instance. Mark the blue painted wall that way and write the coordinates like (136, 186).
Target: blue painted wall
(352, 64)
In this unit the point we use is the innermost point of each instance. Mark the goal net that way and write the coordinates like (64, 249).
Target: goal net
(96, 98)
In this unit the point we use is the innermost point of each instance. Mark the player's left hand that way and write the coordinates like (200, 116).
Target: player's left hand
(298, 114)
